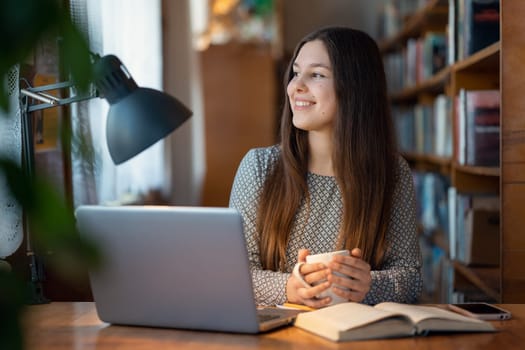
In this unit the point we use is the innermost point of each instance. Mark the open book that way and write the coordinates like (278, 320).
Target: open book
(354, 321)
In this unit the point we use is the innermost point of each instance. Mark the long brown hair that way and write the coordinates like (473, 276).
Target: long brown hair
(364, 155)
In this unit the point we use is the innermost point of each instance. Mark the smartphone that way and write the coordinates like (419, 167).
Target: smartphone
(482, 311)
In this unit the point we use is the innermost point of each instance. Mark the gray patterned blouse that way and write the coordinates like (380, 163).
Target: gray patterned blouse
(399, 278)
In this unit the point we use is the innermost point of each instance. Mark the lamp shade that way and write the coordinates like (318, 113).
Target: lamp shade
(138, 117)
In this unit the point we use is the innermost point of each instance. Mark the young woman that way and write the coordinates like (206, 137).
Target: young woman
(334, 182)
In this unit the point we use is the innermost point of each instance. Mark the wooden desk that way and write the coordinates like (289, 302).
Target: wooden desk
(76, 326)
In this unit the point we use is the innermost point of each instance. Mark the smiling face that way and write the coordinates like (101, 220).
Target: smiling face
(311, 90)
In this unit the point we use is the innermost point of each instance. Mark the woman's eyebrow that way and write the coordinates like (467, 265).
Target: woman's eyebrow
(315, 65)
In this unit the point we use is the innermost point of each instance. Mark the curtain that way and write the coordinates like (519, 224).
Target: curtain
(185, 152)
(131, 30)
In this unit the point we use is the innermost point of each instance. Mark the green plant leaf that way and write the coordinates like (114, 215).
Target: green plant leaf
(12, 293)
(24, 23)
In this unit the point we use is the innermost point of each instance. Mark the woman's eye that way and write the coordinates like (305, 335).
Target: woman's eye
(317, 75)
(295, 74)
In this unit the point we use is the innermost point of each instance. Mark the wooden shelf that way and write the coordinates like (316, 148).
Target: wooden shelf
(479, 71)
(478, 170)
(486, 279)
(432, 15)
(435, 85)
(483, 60)
(426, 162)
(464, 178)
(469, 179)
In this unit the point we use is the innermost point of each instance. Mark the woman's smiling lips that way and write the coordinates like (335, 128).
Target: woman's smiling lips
(302, 104)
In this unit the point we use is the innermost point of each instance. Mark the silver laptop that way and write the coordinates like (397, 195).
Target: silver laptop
(174, 267)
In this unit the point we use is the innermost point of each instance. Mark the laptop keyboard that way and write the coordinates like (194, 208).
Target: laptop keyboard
(270, 313)
(263, 317)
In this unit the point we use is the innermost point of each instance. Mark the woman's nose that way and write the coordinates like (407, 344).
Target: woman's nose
(298, 84)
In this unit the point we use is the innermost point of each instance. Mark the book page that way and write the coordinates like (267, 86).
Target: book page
(345, 316)
(419, 313)
(354, 321)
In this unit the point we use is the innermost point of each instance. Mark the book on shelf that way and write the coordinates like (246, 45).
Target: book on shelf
(432, 202)
(482, 237)
(474, 223)
(472, 26)
(442, 126)
(452, 195)
(452, 33)
(396, 71)
(419, 60)
(411, 57)
(432, 270)
(478, 127)
(424, 129)
(434, 54)
(431, 190)
(481, 24)
(422, 58)
(355, 321)
(405, 128)
(393, 15)
(479, 226)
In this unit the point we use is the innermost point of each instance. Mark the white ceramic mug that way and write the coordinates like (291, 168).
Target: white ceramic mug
(325, 258)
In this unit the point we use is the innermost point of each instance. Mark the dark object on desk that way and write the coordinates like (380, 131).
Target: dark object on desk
(481, 311)
(174, 267)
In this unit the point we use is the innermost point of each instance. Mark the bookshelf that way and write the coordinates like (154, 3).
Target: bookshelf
(497, 66)
(435, 84)
(430, 16)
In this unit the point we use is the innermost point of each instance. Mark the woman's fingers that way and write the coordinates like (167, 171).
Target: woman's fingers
(350, 266)
(309, 295)
(314, 273)
(350, 294)
(357, 253)
(302, 254)
(357, 272)
(349, 284)
(353, 276)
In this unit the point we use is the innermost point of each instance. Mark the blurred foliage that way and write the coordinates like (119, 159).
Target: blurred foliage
(11, 305)
(53, 227)
(23, 24)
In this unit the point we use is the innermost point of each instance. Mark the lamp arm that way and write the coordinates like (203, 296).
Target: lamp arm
(48, 100)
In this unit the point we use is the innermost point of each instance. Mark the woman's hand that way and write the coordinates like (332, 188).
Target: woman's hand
(355, 283)
(299, 293)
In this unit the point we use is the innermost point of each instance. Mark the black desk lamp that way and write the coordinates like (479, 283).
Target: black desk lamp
(137, 118)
